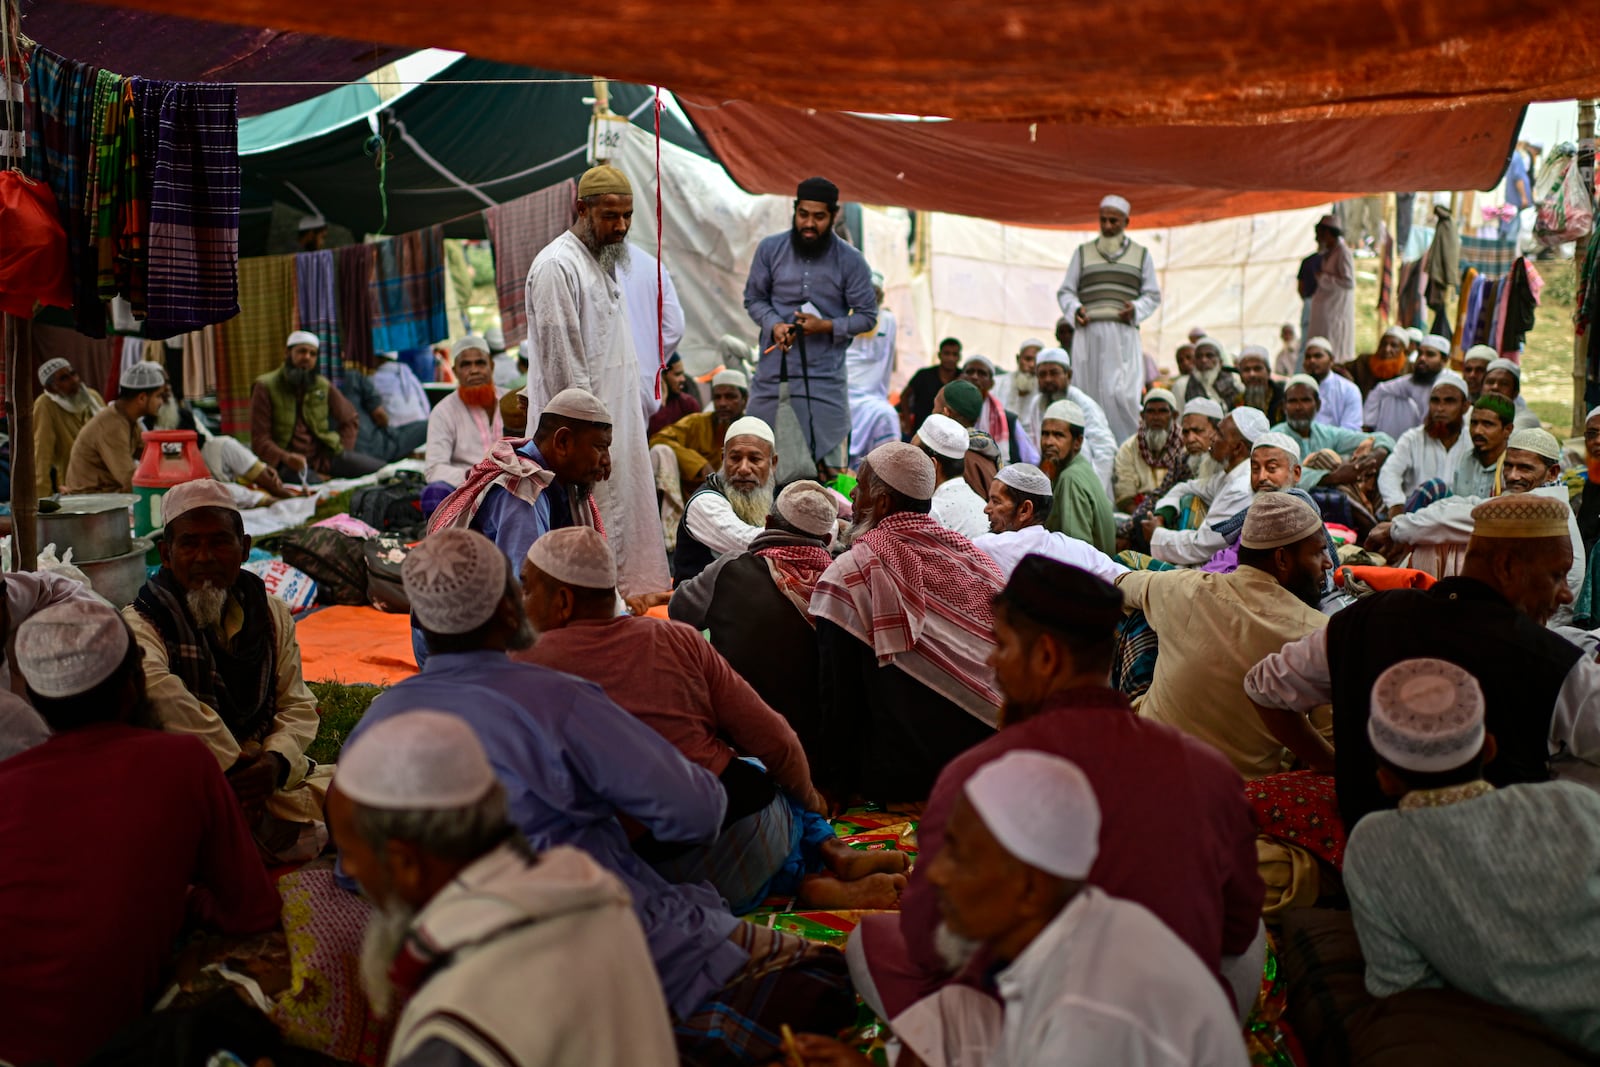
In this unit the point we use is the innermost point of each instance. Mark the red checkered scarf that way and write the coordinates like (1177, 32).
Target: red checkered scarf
(999, 429)
(912, 585)
(796, 569)
(506, 467)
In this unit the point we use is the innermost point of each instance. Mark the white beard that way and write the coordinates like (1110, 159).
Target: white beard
(380, 944)
(1156, 440)
(1024, 382)
(167, 417)
(206, 605)
(77, 403)
(956, 951)
(754, 506)
(1208, 378)
(1110, 246)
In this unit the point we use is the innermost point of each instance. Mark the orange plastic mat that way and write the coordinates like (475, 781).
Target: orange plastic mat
(349, 645)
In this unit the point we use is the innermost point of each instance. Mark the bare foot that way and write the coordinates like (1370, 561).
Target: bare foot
(852, 863)
(875, 892)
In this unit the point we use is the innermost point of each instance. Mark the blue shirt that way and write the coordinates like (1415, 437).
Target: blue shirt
(512, 523)
(1518, 170)
(571, 761)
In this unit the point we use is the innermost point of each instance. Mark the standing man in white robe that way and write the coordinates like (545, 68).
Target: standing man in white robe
(655, 337)
(1109, 289)
(579, 336)
(1333, 305)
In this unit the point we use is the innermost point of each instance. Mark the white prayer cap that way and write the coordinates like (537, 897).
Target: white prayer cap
(1195, 333)
(1258, 352)
(750, 426)
(302, 337)
(1210, 342)
(578, 404)
(1398, 333)
(1506, 365)
(1251, 423)
(1306, 380)
(1163, 395)
(1025, 478)
(391, 356)
(944, 436)
(1322, 343)
(1427, 716)
(1592, 413)
(1053, 355)
(71, 647)
(1115, 203)
(142, 375)
(903, 468)
(471, 342)
(1066, 411)
(1414, 335)
(1528, 420)
(1204, 405)
(1281, 441)
(575, 555)
(51, 368)
(1277, 519)
(1041, 809)
(420, 760)
(808, 507)
(1539, 442)
(1437, 343)
(312, 222)
(21, 728)
(735, 378)
(1448, 377)
(192, 495)
(455, 580)
(975, 358)
(496, 338)
(1483, 352)
(1032, 342)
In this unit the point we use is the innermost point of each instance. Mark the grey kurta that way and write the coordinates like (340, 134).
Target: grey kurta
(839, 285)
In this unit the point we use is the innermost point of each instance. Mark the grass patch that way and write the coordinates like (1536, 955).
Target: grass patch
(342, 707)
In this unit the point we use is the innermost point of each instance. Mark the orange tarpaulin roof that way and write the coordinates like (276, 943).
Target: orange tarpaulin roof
(1134, 62)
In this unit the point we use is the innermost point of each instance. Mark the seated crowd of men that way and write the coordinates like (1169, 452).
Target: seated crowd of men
(1073, 653)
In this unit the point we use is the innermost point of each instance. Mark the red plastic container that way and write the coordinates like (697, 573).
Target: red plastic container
(171, 457)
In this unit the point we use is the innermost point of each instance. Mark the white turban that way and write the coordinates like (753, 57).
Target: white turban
(455, 580)
(1025, 478)
(1322, 343)
(985, 360)
(1448, 377)
(71, 647)
(1277, 519)
(142, 376)
(496, 338)
(1204, 405)
(578, 404)
(735, 378)
(1065, 411)
(1437, 343)
(1258, 352)
(471, 342)
(1041, 809)
(1414, 335)
(1053, 355)
(1506, 365)
(302, 337)
(1539, 442)
(809, 508)
(420, 760)
(750, 426)
(1115, 203)
(944, 436)
(1306, 380)
(903, 468)
(1163, 395)
(1592, 413)
(51, 368)
(575, 555)
(1483, 352)
(1251, 423)
(1032, 342)
(1427, 716)
(1281, 441)
(199, 493)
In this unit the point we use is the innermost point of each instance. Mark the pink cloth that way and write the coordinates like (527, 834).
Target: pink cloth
(519, 230)
(506, 467)
(667, 676)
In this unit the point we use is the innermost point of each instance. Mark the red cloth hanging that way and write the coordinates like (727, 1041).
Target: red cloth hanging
(33, 247)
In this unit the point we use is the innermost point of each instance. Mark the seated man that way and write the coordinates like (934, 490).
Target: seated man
(1349, 453)
(1402, 403)
(993, 418)
(1214, 627)
(1504, 378)
(1514, 866)
(730, 509)
(1474, 366)
(1055, 629)
(400, 393)
(1430, 451)
(1274, 468)
(689, 451)
(1212, 377)
(106, 451)
(961, 401)
(114, 836)
(678, 398)
(423, 826)
(221, 664)
(466, 423)
(1542, 694)
(1371, 369)
(1225, 494)
(1197, 428)
(955, 506)
(1341, 397)
(1020, 499)
(1014, 390)
(1012, 878)
(380, 433)
(59, 414)
(1054, 367)
(1490, 424)
(572, 763)
(1082, 509)
(1257, 389)
(905, 683)
(301, 424)
(1144, 459)
(758, 600)
(775, 840)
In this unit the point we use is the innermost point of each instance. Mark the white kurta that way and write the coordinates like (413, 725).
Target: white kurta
(578, 336)
(1333, 305)
(403, 396)
(956, 507)
(639, 291)
(1225, 495)
(1418, 458)
(458, 437)
(1099, 444)
(1107, 361)
(1007, 550)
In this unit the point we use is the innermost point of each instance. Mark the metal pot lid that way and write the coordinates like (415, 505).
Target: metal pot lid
(91, 503)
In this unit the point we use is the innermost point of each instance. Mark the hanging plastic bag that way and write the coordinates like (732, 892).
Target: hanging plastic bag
(33, 247)
(1566, 211)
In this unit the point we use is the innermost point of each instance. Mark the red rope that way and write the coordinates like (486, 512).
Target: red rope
(661, 299)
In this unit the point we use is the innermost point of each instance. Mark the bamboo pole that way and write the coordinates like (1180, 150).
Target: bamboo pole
(1580, 341)
(24, 494)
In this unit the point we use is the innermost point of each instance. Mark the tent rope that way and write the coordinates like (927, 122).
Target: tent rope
(661, 299)
(378, 149)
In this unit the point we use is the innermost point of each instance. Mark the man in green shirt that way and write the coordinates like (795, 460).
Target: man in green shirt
(1082, 509)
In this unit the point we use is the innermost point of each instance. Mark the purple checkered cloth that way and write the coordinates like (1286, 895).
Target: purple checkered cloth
(193, 261)
(519, 229)
(318, 281)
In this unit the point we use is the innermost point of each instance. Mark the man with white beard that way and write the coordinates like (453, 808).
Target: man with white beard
(730, 509)
(423, 826)
(1015, 389)
(579, 336)
(59, 414)
(1110, 288)
(221, 663)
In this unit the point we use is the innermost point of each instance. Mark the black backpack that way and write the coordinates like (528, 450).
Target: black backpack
(393, 505)
(386, 590)
(337, 561)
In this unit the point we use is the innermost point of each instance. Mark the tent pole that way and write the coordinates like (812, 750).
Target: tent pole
(1580, 254)
(24, 495)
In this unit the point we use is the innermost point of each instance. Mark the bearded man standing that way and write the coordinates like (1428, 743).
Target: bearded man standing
(466, 424)
(1145, 458)
(59, 414)
(300, 423)
(730, 509)
(810, 293)
(1110, 288)
(578, 336)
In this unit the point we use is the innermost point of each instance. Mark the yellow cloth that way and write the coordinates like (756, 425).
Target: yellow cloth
(1131, 476)
(54, 430)
(694, 440)
(105, 454)
(1290, 874)
(1212, 629)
